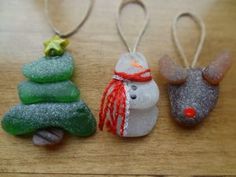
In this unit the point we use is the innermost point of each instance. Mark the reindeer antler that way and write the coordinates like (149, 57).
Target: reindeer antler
(171, 71)
(216, 70)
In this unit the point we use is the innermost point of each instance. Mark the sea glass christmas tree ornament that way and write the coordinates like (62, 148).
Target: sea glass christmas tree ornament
(128, 106)
(50, 102)
(193, 91)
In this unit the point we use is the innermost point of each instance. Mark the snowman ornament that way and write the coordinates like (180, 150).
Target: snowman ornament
(128, 107)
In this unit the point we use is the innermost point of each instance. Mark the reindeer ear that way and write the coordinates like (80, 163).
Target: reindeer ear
(216, 70)
(171, 71)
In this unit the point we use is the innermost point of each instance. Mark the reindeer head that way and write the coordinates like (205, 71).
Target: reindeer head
(193, 92)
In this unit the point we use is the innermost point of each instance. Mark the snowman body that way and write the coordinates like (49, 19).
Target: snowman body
(143, 113)
(132, 80)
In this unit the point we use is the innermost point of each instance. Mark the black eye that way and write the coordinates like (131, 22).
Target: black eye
(134, 87)
(133, 96)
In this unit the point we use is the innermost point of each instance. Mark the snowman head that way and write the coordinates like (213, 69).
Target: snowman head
(141, 95)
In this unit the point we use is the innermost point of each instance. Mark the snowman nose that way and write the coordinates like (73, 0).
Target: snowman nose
(189, 112)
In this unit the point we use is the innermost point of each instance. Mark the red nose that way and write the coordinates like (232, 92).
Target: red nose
(189, 112)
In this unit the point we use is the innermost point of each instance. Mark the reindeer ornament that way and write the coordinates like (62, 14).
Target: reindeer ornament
(193, 92)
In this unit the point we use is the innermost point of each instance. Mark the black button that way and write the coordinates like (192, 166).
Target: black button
(132, 96)
(134, 87)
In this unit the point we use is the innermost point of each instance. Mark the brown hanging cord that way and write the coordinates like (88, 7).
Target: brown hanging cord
(201, 41)
(143, 29)
(74, 30)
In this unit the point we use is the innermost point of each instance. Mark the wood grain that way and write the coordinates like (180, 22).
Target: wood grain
(207, 150)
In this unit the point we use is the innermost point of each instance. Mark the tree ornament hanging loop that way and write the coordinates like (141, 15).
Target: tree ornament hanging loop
(72, 31)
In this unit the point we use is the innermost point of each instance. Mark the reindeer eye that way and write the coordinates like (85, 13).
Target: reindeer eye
(134, 87)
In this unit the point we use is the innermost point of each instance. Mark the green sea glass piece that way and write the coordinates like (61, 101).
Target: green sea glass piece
(75, 118)
(32, 92)
(50, 69)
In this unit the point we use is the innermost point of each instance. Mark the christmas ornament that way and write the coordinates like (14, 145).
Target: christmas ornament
(50, 102)
(128, 106)
(193, 91)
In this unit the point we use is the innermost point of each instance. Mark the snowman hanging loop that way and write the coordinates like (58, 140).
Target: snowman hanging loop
(193, 91)
(128, 106)
(142, 30)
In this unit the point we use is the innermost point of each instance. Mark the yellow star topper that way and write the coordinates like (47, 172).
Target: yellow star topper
(55, 46)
